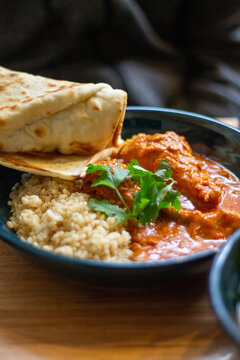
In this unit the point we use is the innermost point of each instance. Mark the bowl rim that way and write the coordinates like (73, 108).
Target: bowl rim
(52, 257)
(214, 287)
(188, 114)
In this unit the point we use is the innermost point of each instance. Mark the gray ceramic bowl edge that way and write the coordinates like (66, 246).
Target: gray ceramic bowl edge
(224, 282)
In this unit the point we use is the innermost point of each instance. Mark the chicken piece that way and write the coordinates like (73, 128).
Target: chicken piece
(210, 225)
(192, 180)
(127, 188)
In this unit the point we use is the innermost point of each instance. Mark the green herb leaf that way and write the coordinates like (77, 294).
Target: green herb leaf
(108, 209)
(164, 170)
(107, 178)
(139, 204)
(170, 197)
(149, 190)
(136, 171)
(156, 191)
(119, 175)
(93, 168)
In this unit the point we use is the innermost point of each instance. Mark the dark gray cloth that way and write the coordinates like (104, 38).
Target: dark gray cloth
(172, 53)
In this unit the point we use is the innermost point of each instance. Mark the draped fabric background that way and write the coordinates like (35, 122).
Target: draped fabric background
(172, 53)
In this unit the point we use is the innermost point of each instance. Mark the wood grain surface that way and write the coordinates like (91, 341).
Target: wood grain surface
(46, 316)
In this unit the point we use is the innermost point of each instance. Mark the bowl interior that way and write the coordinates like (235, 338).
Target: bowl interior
(206, 136)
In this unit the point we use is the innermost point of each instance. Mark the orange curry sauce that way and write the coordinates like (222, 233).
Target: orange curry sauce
(210, 200)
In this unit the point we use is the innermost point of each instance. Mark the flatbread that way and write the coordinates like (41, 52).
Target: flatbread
(68, 167)
(40, 115)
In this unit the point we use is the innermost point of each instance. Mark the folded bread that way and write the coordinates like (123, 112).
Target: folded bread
(68, 167)
(40, 115)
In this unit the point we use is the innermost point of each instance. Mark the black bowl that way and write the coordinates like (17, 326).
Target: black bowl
(207, 136)
(224, 286)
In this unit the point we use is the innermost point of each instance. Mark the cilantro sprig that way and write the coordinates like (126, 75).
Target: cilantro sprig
(156, 191)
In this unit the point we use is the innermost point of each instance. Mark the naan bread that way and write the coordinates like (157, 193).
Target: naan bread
(38, 114)
(43, 122)
(68, 167)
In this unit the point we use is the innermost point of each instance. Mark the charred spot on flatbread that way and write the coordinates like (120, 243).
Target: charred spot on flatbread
(40, 131)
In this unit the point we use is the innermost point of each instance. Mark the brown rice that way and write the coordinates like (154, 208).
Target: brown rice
(48, 214)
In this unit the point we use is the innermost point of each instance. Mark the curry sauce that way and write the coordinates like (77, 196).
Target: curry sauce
(210, 198)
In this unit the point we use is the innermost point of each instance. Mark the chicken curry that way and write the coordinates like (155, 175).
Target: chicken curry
(210, 198)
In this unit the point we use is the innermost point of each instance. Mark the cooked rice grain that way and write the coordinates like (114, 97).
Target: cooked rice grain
(47, 214)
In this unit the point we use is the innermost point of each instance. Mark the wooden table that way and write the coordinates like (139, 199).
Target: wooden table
(45, 316)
